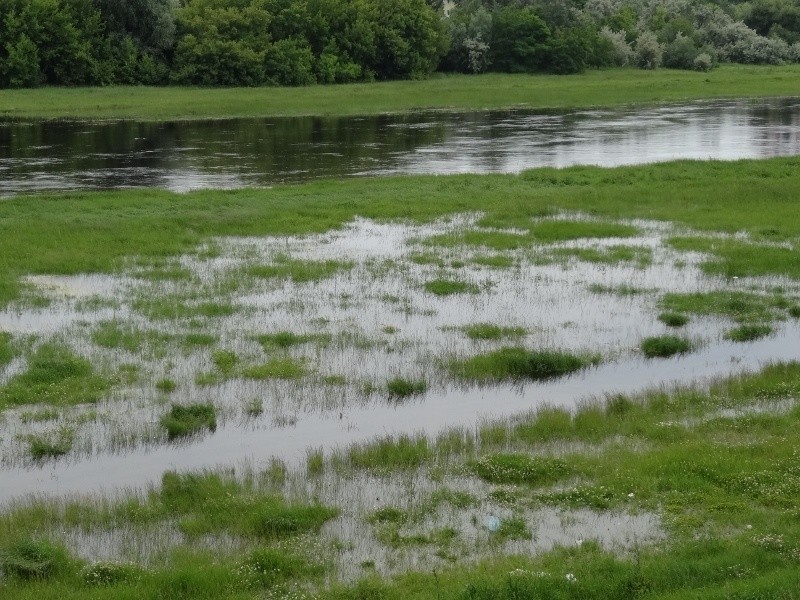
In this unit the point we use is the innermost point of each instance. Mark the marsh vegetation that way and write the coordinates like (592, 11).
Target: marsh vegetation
(502, 431)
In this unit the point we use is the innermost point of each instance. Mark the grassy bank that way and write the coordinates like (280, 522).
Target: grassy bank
(454, 92)
(94, 232)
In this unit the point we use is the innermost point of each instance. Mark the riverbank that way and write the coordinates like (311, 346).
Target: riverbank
(443, 92)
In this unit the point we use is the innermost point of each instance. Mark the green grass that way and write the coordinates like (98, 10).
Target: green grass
(748, 333)
(560, 231)
(277, 368)
(641, 257)
(673, 319)
(400, 388)
(166, 385)
(55, 375)
(386, 455)
(297, 270)
(742, 307)
(452, 92)
(448, 287)
(734, 258)
(96, 231)
(182, 421)
(51, 445)
(663, 346)
(121, 336)
(6, 349)
(490, 331)
(495, 240)
(517, 363)
(288, 339)
(520, 469)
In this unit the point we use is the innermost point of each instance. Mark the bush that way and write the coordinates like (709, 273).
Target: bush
(703, 62)
(520, 41)
(289, 62)
(680, 53)
(649, 52)
(621, 54)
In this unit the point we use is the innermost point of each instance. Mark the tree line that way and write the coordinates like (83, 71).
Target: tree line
(301, 42)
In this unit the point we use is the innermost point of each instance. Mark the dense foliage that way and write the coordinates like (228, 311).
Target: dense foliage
(300, 42)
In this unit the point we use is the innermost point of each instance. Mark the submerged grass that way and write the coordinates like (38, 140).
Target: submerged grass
(490, 331)
(400, 387)
(748, 333)
(516, 363)
(277, 368)
(55, 375)
(297, 270)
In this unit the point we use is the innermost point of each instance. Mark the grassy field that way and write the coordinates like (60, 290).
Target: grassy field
(441, 92)
(94, 231)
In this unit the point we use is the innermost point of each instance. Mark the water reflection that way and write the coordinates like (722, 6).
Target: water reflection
(247, 152)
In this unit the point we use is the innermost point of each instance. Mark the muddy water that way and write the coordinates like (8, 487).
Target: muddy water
(40, 156)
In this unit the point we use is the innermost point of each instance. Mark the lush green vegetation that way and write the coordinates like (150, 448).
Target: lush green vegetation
(55, 375)
(490, 331)
(663, 346)
(293, 42)
(400, 387)
(95, 231)
(451, 92)
(518, 363)
(183, 420)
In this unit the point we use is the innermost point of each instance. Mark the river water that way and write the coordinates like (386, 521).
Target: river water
(186, 155)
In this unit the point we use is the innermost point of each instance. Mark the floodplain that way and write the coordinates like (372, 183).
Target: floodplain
(576, 383)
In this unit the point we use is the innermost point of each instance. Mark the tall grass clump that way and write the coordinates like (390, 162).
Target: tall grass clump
(6, 349)
(31, 559)
(516, 363)
(182, 420)
(448, 287)
(277, 368)
(673, 319)
(663, 346)
(520, 469)
(742, 307)
(53, 445)
(211, 503)
(400, 387)
(403, 452)
(490, 331)
(748, 333)
(55, 375)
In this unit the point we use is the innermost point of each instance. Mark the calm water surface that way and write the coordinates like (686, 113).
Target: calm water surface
(180, 156)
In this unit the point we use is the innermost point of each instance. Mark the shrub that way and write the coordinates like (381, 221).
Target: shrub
(649, 52)
(703, 62)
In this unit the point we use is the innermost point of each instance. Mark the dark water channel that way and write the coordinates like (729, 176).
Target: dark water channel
(39, 156)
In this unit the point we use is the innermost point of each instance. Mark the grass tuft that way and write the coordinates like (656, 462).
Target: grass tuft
(748, 333)
(400, 387)
(490, 331)
(663, 346)
(277, 368)
(448, 287)
(298, 271)
(673, 319)
(520, 469)
(54, 376)
(515, 363)
(186, 420)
